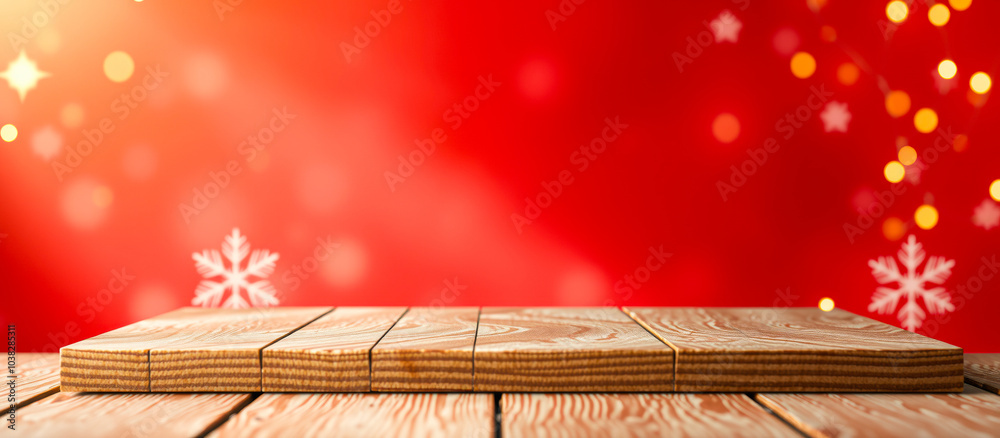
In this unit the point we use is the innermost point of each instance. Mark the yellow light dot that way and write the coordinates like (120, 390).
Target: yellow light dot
(947, 69)
(960, 5)
(995, 190)
(925, 120)
(826, 304)
(803, 65)
(118, 66)
(893, 228)
(980, 82)
(894, 171)
(907, 155)
(939, 14)
(71, 115)
(926, 216)
(726, 128)
(848, 73)
(896, 11)
(8, 133)
(897, 103)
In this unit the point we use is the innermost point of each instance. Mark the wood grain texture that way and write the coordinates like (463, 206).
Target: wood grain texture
(222, 353)
(972, 413)
(983, 370)
(568, 349)
(429, 349)
(799, 350)
(363, 415)
(637, 415)
(118, 361)
(126, 415)
(37, 378)
(330, 354)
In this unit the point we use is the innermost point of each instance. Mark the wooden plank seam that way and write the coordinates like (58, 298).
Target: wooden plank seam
(370, 371)
(260, 353)
(677, 351)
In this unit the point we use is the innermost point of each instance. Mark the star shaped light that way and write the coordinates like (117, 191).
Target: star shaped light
(22, 74)
(726, 27)
(835, 117)
(986, 215)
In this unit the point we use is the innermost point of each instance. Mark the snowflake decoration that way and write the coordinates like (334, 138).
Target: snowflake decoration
(986, 215)
(911, 285)
(835, 117)
(235, 278)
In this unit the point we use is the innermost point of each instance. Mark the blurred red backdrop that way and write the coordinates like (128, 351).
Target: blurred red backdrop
(282, 120)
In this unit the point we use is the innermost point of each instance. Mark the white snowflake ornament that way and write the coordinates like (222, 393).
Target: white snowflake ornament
(726, 27)
(235, 278)
(911, 285)
(986, 215)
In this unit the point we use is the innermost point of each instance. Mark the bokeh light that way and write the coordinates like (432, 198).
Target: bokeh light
(907, 155)
(939, 14)
(893, 228)
(46, 142)
(8, 133)
(848, 73)
(897, 11)
(925, 120)
(995, 190)
(894, 172)
(947, 69)
(118, 66)
(206, 76)
(826, 304)
(960, 143)
(84, 203)
(897, 103)
(926, 216)
(786, 41)
(828, 34)
(71, 115)
(139, 162)
(803, 65)
(816, 5)
(726, 128)
(980, 83)
(960, 5)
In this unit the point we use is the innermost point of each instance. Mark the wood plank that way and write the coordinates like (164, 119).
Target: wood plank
(799, 349)
(364, 415)
(429, 349)
(983, 370)
(972, 413)
(132, 415)
(330, 354)
(118, 361)
(37, 377)
(568, 349)
(222, 353)
(638, 415)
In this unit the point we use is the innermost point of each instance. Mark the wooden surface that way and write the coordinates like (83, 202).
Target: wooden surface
(364, 415)
(125, 415)
(972, 413)
(429, 349)
(221, 352)
(568, 349)
(37, 377)
(799, 349)
(983, 370)
(118, 361)
(637, 415)
(331, 354)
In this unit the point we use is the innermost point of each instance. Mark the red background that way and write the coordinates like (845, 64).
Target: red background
(324, 175)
